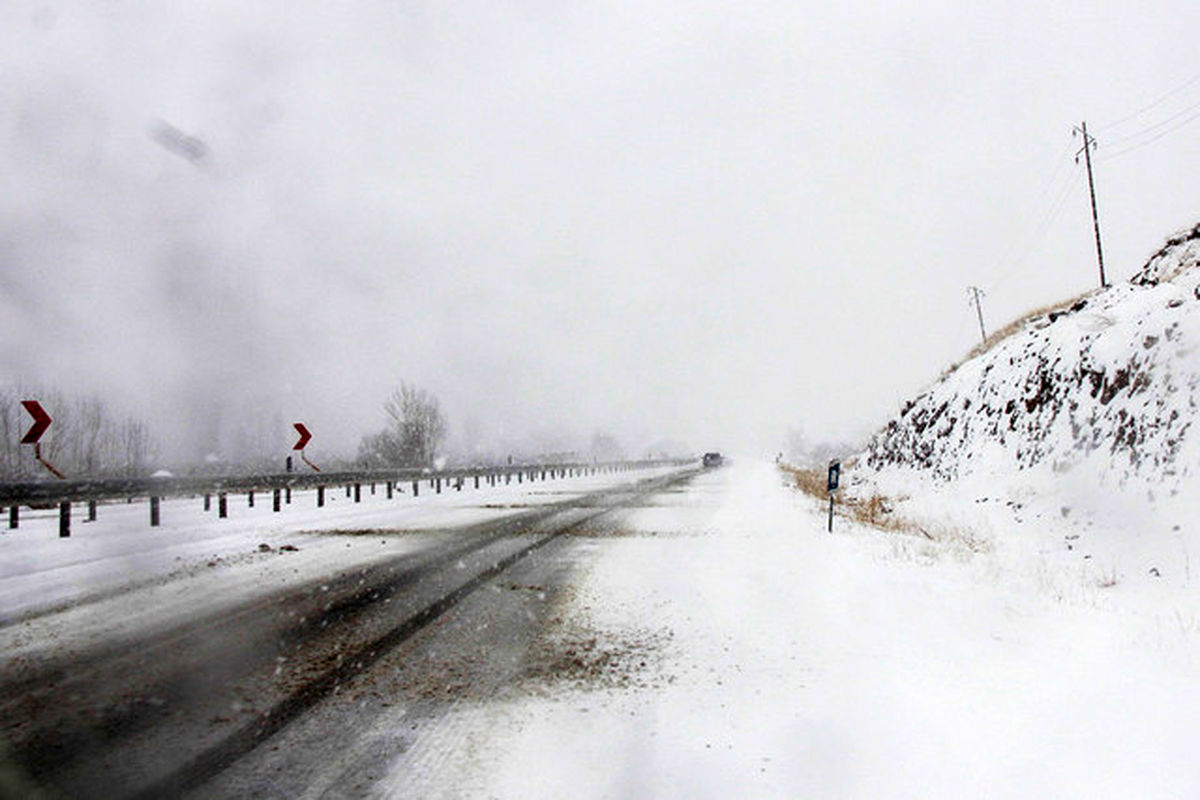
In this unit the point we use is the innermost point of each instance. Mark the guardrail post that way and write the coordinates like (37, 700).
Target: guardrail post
(287, 495)
(358, 492)
(250, 497)
(153, 511)
(348, 490)
(416, 488)
(458, 486)
(476, 480)
(64, 519)
(207, 501)
(389, 490)
(91, 511)
(222, 505)
(14, 517)
(320, 497)
(275, 501)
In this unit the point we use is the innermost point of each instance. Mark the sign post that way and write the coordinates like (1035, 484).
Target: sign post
(835, 474)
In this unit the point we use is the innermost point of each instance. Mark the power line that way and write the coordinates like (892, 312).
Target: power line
(1021, 247)
(1034, 239)
(1153, 104)
(1149, 128)
(1153, 139)
(1036, 211)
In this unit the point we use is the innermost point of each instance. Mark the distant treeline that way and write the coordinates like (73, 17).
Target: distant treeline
(86, 439)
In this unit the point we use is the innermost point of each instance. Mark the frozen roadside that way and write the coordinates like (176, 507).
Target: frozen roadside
(790, 663)
(118, 575)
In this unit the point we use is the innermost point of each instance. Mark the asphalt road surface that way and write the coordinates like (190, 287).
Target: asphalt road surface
(247, 703)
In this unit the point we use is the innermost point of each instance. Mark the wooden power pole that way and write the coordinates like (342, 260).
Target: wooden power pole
(976, 293)
(1088, 143)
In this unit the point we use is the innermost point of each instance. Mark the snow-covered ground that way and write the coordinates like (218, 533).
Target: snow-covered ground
(134, 576)
(787, 662)
(1106, 384)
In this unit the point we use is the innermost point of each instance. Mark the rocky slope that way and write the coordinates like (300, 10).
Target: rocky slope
(1112, 378)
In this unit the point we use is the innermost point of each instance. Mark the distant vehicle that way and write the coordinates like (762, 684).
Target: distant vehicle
(713, 459)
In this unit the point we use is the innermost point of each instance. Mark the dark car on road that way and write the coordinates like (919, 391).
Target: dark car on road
(713, 459)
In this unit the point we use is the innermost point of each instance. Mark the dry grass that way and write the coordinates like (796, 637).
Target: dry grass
(875, 510)
(878, 512)
(809, 480)
(1000, 334)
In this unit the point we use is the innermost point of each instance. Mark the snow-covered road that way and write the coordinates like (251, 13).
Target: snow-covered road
(781, 661)
(165, 673)
(712, 640)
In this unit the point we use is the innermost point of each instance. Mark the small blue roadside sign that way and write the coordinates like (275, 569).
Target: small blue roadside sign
(835, 475)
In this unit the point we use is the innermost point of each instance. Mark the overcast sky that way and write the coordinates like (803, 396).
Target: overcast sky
(710, 222)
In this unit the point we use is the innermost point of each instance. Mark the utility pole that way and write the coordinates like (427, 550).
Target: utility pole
(976, 293)
(1088, 143)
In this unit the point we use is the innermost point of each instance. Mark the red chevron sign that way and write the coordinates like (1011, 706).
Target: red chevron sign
(304, 435)
(41, 421)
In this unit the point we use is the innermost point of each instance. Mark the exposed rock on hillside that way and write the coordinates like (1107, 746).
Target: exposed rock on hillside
(1113, 377)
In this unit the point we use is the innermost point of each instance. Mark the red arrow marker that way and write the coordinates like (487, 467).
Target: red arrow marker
(304, 435)
(41, 421)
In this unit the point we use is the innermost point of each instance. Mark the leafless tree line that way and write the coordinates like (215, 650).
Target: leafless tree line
(85, 440)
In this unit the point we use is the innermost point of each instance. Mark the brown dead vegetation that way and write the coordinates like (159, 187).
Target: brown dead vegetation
(809, 480)
(1000, 334)
(878, 512)
(875, 510)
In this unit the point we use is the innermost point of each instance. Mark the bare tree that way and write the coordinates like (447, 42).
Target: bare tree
(605, 447)
(415, 431)
(137, 448)
(11, 465)
(84, 441)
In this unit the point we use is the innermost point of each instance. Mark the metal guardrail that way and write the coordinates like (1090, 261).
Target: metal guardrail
(47, 494)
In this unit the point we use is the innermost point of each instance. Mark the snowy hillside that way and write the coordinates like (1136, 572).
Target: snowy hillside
(1111, 380)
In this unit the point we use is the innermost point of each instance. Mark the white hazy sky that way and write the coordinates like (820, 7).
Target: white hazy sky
(703, 221)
